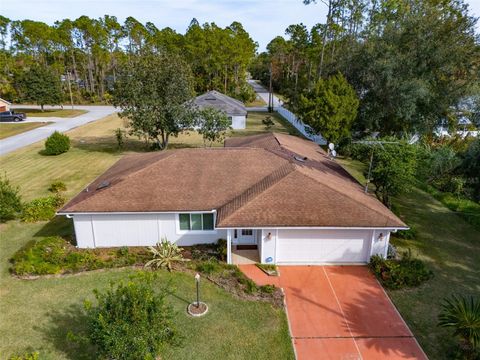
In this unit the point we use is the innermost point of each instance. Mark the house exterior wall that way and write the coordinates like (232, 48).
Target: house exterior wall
(4, 105)
(116, 230)
(239, 122)
(268, 253)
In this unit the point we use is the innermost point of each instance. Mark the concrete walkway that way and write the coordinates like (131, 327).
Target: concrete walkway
(340, 312)
(94, 113)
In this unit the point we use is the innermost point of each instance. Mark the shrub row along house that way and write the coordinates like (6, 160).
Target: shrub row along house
(276, 193)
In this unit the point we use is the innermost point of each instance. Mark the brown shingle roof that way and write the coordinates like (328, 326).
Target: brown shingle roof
(262, 180)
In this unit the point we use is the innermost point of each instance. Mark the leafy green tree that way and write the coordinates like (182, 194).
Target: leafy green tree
(462, 314)
(131, 320)
(212, 124)
(329, 108)
(154, 92)
(10, 200)
(40, 85)
(393, 170)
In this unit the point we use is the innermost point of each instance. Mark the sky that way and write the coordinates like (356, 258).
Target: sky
(263, 19)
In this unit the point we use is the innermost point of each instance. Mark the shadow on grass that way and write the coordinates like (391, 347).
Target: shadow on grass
(58, 226)
(67, 331)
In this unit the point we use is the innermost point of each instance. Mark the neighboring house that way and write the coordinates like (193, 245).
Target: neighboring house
(276, 193)
(235, 110)
(4, 105)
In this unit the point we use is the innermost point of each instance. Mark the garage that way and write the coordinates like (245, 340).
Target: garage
(323, 246)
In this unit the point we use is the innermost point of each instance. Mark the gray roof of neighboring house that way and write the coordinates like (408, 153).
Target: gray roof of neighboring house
(222, 102)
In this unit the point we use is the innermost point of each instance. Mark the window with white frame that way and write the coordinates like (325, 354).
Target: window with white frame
(196, 222)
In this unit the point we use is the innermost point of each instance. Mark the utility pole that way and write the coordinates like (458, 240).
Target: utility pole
(270, 92)
(70, 89)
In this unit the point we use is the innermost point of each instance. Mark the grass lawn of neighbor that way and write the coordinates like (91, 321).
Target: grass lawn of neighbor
(37, 314)
(256, 103)
(10, 129)
(450, 247)
(63, 113)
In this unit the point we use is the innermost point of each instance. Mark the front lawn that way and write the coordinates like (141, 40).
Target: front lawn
(450, 247)
(10, 129)
(36, 315)
(63, 113)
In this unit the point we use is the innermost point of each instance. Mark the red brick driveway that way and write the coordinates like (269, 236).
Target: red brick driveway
(340, 312)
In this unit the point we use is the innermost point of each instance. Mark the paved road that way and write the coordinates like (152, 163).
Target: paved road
(60, 124)
(263, 93)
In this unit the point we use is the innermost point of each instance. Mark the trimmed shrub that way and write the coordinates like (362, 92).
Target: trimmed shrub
(397, 274)
(57, 144)
(10, 201)
(57, 187)
(42, 209)
(131, 320)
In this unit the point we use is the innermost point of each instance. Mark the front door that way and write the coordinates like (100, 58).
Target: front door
(245, 236)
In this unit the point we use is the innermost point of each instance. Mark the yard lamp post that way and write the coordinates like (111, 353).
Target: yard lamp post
(197, 282)
(197, 308)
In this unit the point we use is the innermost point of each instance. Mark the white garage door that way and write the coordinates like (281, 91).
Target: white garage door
(323, 246)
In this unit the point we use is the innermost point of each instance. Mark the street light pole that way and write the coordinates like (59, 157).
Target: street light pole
(270, 92)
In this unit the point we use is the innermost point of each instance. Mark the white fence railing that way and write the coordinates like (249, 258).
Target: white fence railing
(299, 125)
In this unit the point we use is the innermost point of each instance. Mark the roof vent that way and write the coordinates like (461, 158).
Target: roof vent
(103, 184)
(301, 159)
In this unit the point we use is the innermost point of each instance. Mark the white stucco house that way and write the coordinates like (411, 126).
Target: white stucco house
(277, 194)
(235, 110)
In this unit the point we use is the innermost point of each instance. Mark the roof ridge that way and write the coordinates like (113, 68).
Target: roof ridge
(345, 196)
(238, 201)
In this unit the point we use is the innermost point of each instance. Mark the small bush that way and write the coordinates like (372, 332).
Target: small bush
(208, 267)
(397, 274)
(57, 144)
(27, 356)
(267, 289)
(10, 201)
(131, 320)
(120, 136)
(268, 122)
(221, 248)
(42, 209)
(57, 187)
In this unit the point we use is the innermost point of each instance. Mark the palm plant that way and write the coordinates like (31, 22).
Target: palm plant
(165, 254)
(463, 315)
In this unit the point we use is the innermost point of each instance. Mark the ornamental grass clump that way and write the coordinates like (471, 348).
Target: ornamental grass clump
(165, 254)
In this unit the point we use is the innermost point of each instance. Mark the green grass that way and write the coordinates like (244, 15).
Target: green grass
(37, 314)
(450, 247)
(256, 103)
(63, 113)
(10, 129)
(255, 126)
